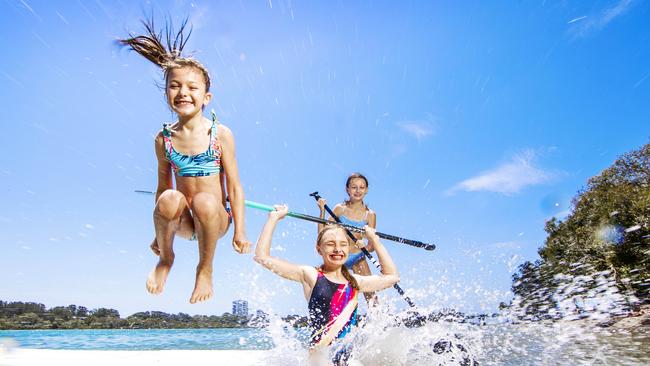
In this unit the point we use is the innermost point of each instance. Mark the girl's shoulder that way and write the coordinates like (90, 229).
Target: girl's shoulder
(224, 132)
(340, 207)
(310, 274)
(160, 136)
(309, 270)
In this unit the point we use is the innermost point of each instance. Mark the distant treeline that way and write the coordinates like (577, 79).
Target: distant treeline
(605, 237)
(30, 315)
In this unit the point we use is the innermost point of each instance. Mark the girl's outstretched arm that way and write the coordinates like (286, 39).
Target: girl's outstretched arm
(389, 274)
(263, 256)
(235, 190)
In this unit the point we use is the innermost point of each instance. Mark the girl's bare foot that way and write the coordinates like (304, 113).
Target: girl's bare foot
(203, 287)
(157, 277)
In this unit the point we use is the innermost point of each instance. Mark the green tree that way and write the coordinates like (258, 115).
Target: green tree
(608, 230)
(61, 312)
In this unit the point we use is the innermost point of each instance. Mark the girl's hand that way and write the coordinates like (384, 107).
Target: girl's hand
(241, 244)
(370, 233)
(321, 204)
(280, 212)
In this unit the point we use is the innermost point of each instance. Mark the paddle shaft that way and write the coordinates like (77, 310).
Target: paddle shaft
(355, 229)
(365, 251)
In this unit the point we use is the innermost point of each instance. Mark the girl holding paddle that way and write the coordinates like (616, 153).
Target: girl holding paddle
(199, 155)
(330, 289)
(355, 212)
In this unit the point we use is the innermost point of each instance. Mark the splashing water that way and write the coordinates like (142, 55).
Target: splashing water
(582, 323)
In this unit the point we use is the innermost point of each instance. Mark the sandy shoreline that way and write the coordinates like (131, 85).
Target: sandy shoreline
(32, 357)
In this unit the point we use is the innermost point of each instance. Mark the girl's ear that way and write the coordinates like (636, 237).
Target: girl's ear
(207, 98)
(318, 250)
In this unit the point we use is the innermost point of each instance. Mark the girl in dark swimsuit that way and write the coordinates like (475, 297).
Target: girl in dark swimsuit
(330, 289)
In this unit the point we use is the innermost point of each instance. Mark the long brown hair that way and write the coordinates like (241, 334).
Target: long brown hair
(344, 269)
(167, 55)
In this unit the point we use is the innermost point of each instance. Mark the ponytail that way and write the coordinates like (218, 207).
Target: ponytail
(348, 276)
(167, 55)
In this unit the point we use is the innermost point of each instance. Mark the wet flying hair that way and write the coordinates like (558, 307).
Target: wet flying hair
(344, 269)
(167, 55)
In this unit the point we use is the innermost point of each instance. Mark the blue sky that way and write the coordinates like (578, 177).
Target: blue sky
(474, 121)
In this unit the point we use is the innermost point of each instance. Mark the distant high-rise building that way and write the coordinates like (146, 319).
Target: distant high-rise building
(240, 308)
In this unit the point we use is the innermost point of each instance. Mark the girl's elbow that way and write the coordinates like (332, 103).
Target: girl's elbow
(261, 259)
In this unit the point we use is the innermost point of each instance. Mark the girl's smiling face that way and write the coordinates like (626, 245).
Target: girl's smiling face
(333, 247)
(357, 189)
(186, 91)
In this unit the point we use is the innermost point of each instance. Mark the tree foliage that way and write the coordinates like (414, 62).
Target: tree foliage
(607, 231)
(29, 315)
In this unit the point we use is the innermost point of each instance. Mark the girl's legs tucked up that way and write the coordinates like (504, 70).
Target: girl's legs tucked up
(208, 221)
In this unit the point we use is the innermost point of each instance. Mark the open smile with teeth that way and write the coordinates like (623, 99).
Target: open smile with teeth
(182, 103)
(337, 257)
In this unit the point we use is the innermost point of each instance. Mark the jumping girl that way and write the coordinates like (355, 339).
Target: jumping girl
(355, 212)
(330, 290)
(199, 155)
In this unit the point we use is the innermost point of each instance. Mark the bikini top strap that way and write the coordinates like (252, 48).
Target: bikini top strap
(214, 135)
(167, 137)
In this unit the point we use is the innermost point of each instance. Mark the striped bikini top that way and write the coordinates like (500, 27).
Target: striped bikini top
(199, 165)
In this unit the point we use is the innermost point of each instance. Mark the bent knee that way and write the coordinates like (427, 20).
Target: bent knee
(205, 205)
(170, 204)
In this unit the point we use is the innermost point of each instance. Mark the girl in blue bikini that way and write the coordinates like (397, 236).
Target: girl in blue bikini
(198, 155)
(356, 213)
(330, 289)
